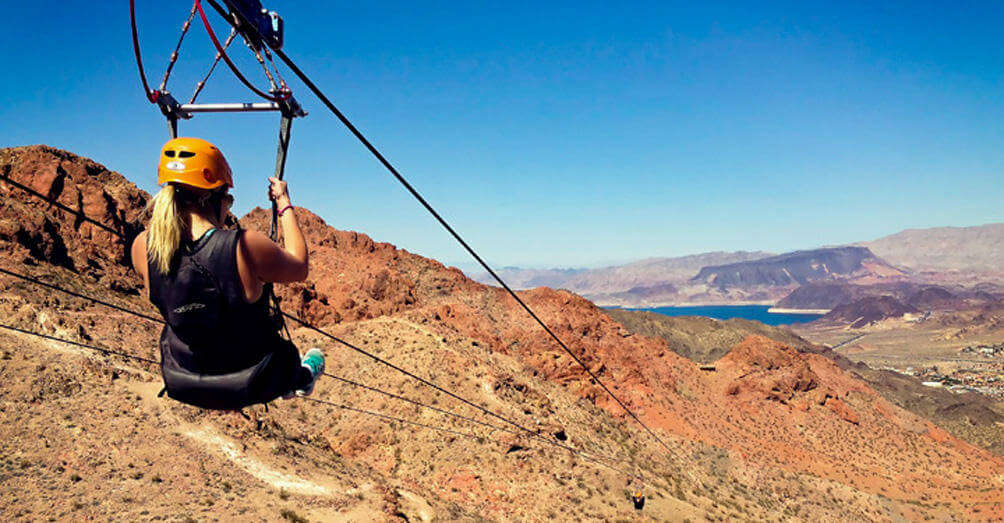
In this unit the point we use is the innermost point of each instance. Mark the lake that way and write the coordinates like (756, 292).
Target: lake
(725, 312)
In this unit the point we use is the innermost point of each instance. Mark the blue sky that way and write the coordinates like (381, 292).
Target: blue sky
(564, 134)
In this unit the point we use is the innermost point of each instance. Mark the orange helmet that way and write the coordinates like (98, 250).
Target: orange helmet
(195, 162)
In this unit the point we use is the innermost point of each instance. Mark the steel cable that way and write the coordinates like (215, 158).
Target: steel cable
(150, 95)
(414, 192)
(385, 417)
(78, 344)
(199, 86)
(37, 281)
(233, 68)
(533, 434)
(177, 48)
(75, 212)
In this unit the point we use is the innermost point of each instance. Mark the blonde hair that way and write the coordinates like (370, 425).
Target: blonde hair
(166, 226)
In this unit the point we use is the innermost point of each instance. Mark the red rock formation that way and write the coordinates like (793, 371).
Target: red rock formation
(34, 231)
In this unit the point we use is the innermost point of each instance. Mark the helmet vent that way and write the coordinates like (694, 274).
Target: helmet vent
(185, 154)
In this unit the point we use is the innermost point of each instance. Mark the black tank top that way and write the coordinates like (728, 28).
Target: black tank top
(211, 329)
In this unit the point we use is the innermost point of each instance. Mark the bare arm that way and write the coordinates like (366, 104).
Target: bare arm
(138, 255)
(268, 261)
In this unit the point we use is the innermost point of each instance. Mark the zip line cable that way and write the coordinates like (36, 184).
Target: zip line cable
(392, 419)
(418, 403)
(294, 318)
(148, 360)
(78, 344)
(414, 192)
(466, 435)
(37, 281)
(533, 434)
(408, 373)
(383, 416)
(78, 213)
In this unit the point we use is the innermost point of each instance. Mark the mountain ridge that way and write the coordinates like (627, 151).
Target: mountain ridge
(937, 255)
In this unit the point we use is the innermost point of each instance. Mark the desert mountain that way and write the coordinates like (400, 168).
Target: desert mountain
(978, 249)
(773, 433)
(945, 255)
(867, 311)
(972, 417)
(702, 339)
(649, 281)
(640, 274)
(924, 297)
(798, 268)
(740, 277)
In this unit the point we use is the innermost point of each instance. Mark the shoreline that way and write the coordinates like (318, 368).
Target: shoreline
(730, 304)
(777, 310)
(770, 310)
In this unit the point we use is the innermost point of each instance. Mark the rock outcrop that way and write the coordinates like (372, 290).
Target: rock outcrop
(33, 231)
(868, 311)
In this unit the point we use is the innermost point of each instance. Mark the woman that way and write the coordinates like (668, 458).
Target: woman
(220, 348)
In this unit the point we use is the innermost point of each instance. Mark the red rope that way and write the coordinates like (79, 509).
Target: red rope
(219, 49)
(150, 95)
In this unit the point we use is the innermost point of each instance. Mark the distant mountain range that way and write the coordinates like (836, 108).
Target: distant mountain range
(799, 267)
(945, 249)
(939, 255)
(651, 275)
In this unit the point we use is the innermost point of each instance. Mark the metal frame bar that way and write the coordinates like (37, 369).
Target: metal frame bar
(249, 107)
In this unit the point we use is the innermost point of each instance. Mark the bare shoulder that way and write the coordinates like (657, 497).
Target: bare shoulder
(138, 252)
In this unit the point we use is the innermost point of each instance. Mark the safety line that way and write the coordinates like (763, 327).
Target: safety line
(393, 418)
(78, 344)
(216, 61)
(533, 434)
(177, 48)
(400, 178)
(37, 281)
(386, 417)
(410, 374)
(301, 322)
(308, 325)
(78, 213)
(418, 403)
(150, 95)
(316, 400)
(233, 68)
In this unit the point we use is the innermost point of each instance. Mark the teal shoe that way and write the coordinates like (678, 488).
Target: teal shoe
(313, 361)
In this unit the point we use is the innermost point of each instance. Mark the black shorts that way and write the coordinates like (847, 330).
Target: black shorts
(282, 374)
